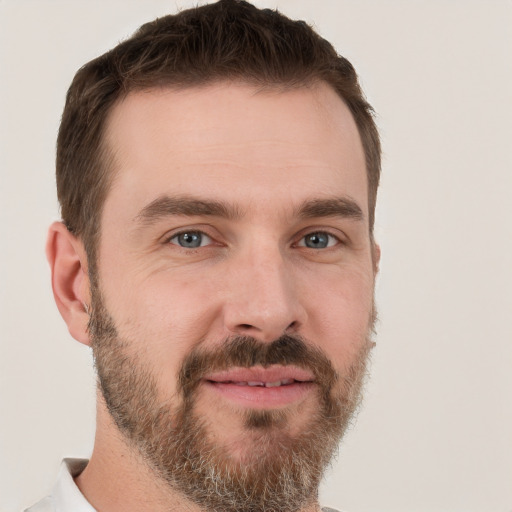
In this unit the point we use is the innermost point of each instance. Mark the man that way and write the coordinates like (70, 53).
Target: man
(217, 175)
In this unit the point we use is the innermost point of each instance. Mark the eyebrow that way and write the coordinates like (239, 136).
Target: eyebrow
(333, 207)
(166, 206)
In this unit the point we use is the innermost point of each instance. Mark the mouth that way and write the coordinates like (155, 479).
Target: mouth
(262, 388)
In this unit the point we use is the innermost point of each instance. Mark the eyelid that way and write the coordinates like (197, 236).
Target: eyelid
(166, 239)
(338, 235)
(191, 231)
(302, 243)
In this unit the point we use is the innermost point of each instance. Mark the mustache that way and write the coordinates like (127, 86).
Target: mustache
(246, 352)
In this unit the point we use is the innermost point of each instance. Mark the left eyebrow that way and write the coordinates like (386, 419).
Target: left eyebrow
(333, 207)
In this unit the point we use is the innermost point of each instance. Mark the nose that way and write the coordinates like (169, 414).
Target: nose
(263, 299)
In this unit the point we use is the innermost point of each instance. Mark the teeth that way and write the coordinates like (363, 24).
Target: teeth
(257, 383)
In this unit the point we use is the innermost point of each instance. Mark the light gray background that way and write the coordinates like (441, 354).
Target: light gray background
(435, 433)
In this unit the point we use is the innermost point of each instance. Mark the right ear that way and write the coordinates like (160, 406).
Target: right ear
(70, 280)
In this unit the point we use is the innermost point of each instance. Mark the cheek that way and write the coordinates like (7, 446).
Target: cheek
(163, 314)
(340, 314)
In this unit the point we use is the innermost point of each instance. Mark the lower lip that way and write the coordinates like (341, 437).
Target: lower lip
(259, 397)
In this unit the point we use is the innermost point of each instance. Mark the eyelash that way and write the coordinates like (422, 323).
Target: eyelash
(330, 236)
(189, 232)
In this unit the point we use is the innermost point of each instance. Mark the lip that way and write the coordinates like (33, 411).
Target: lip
(264, 393)
(258, 373)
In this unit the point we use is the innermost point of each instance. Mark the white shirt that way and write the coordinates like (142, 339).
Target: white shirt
(66, 497)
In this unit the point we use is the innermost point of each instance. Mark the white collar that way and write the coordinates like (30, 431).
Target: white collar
(66, 495)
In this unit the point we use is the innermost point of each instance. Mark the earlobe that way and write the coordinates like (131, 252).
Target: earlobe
(70, 281)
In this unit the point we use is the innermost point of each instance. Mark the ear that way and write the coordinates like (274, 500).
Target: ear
(375, 257)
(70, 282)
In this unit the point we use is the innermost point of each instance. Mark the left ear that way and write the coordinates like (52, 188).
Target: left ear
(70, 281)
(375, 257)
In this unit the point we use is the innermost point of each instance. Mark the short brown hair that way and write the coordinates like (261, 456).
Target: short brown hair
(227, 40)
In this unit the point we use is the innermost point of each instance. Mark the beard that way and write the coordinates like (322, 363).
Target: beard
(279, 471)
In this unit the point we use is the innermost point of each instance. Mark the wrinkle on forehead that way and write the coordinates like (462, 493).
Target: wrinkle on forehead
(238, 144)
(203, 117)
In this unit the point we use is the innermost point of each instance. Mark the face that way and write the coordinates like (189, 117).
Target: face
(234, 296)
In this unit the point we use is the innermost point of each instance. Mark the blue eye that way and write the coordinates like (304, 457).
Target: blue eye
(318, 240)
(190, 239)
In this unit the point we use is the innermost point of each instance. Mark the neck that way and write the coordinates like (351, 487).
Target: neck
(116, 478)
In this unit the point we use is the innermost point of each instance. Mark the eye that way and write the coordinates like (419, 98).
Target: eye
(318, 240)
(191, 239)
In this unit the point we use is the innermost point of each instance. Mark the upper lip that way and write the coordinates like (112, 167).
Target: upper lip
(260, 374)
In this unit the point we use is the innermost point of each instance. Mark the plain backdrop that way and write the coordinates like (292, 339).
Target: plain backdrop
(435, 433)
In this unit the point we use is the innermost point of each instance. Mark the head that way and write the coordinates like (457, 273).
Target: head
(224, 42)
(217, 174)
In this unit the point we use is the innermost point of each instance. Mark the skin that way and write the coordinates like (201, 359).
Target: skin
(263, 154)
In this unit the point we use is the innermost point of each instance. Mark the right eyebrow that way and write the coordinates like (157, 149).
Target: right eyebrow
(166, 206)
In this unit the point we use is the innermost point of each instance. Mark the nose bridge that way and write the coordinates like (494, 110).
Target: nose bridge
(263, 300)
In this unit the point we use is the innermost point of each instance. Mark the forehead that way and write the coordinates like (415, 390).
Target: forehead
(236, 143)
